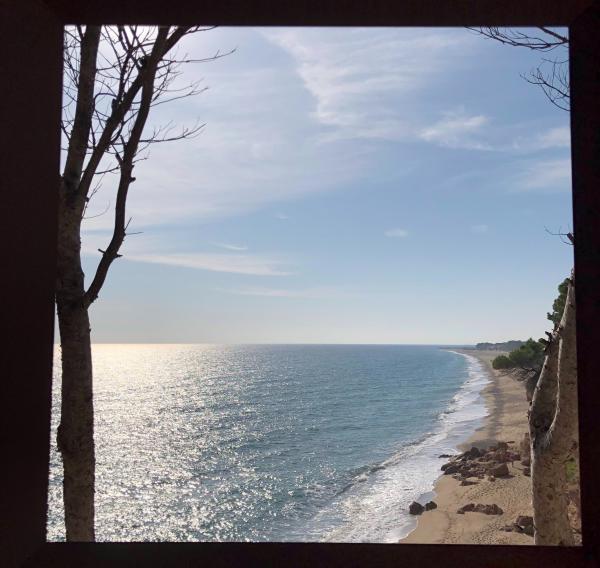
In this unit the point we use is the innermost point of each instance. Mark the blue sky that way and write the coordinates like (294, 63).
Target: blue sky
(350, 186)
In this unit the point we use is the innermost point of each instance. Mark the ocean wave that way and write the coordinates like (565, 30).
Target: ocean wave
(373, 506)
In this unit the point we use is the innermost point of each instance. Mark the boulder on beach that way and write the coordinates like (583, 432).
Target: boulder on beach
(499, 470)
(524, 521)
(480, 508)
(523, 524)
(488, 509)
(466, 508)
(450, 468)
(415, 508)
(473, 453)
(430, 505)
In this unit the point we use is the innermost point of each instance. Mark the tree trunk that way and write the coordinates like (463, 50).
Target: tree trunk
(553, 430)
(75, 437)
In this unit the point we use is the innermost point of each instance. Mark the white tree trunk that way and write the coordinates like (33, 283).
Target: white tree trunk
(553, 427)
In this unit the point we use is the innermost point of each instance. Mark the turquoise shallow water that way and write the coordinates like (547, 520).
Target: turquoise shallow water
(270, 442)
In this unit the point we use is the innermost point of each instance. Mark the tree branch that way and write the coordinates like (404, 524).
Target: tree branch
(126, 163)
(82, 124)
(122, 106)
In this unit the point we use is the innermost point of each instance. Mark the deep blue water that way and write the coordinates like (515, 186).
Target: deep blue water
(279, 442)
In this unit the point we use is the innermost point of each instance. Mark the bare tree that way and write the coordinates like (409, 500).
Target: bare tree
(553, 414)
(552, 74)
(114, 76)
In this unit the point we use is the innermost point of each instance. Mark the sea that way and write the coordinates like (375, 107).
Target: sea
(269, 442)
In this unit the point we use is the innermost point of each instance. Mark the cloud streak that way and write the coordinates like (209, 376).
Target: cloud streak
(457, 130)
(363, 81)
(317, 293)
(254, 265)
(229, 246)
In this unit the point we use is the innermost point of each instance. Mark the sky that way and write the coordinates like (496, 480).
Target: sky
(350, 186)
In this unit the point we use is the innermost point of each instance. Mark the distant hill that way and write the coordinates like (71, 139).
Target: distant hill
(504, 346)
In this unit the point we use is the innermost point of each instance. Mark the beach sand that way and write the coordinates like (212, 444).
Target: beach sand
(507, 421)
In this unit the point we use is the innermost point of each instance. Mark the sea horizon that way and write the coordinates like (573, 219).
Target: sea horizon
(442, 345)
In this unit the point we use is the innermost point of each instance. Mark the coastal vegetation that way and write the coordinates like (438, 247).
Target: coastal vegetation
(528, 357)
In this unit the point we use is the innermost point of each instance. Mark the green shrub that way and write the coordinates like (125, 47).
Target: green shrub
(529, 356)
(502, 362)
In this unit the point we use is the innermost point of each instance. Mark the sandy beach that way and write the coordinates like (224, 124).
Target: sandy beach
(507, 422)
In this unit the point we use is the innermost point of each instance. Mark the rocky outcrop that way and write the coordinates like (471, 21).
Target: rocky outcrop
(430, 506)
(477, 463)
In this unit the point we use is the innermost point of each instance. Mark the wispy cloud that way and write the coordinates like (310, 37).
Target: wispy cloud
(457, 129)
(548, 175)
(229, 246)
(396, 233)
(234, 263)
(281, 216)
(362, 81)
(479, 229)
(555, 138)
(318, 293)
(559, 137)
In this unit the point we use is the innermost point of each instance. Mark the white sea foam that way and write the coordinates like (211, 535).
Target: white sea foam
(376, 509)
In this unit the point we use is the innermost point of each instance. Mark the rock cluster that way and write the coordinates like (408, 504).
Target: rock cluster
(477, 463)
(417, 509)
(480, 508)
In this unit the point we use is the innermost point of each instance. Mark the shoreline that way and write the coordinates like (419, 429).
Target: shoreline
(506, 421)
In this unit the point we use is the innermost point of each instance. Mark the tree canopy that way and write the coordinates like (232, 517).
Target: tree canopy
(526, 358)
(558, 306)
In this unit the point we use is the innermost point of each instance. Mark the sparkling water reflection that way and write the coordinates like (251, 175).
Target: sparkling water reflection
(205, 442)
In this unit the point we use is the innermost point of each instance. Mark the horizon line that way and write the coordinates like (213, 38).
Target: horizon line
(444, 344)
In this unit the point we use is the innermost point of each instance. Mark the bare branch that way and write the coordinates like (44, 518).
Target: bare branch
(566, 238)
(126, 163)
(84, 111)
(134, 69)
(554, 82)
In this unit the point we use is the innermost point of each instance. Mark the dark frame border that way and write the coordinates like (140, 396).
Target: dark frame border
(31, 72)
